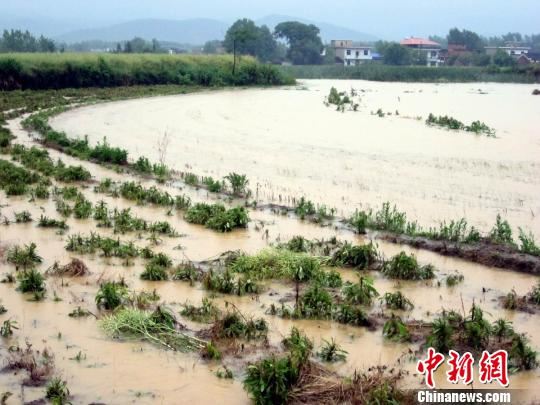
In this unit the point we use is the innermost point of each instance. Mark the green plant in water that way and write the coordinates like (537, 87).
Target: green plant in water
(331, 352)
(477, 329)
(441, 336)
(361, 293)
(23, 217)
(534, 295)
(521, 354)
(207, 312)
(6, 330)
(396, 301)
(154, 272)
(405, 267)
(350, 315)
(528, 244)
(357, 256)
(31, 281)
(454, 279)
(395, 329)
(501, 232)
(238, 183)
(24, 257)
(502, 328)
(111, 295)
(211, 352)
(316, 302)
(57, 391)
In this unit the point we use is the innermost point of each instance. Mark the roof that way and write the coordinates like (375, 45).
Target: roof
(418, 41)
(508, 47)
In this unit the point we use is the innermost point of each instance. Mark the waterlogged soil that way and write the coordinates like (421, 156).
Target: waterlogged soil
(291, 145)
(117, 372)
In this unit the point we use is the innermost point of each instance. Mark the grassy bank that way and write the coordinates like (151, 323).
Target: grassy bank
(384, 73)
(59, 71)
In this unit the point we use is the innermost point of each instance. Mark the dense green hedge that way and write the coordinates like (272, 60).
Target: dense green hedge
(58, 71)
(380, 72)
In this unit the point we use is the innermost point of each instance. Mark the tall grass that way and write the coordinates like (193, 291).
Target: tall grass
(384, 73)
(58, 71)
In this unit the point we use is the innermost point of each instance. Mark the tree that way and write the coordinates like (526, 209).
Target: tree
(396, 54)
(212, 47)
(470, 39)
(501, 58)
(241, 38)
(246, 38)
(19, 41)
(304, 42)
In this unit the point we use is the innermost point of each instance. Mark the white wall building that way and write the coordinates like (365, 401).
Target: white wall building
(349, 54)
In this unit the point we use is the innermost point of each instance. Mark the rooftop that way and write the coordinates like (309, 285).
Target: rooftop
(419, 42)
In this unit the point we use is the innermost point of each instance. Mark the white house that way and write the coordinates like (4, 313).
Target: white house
(432, 49)
(350, 54)
(515, 51)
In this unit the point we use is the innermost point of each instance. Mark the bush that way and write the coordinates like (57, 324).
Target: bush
(111, 295)
(31, 281)
(238, 183)
(215, 216)
(357, 256)
(405, 267)
(69, 70)
(501, 232)
(154, 272)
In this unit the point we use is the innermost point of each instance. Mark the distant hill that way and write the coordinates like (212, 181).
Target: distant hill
(328, 31)
(196, 31)
(192, 31)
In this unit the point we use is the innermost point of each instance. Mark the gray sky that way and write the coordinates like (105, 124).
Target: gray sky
(390, 19)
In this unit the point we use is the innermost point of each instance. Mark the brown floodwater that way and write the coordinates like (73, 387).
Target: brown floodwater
(290, 144)
(288, 163)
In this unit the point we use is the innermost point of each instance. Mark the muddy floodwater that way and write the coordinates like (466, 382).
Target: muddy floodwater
(289, 144)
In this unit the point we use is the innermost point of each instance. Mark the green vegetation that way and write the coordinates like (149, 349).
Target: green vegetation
(306, 208)
(14, 180)
(31, 281)
(24, 257)
(397, 301)
(238, 183)
(387, 73)
(24, 41)
(331, 352)
(361, 293)
(206, 313)
(395, 329)
(341, 99)
(111, 295)
(109, 247)
(23, 217)
(80, 148)
(454, 279)
(234, 325)
(270, 380)
(6, 330)
(405, 267)
(528, 244)
(42, 71)
(357, 256)
(158, 327)
(217, 217)
(451, 123)
(57, 391)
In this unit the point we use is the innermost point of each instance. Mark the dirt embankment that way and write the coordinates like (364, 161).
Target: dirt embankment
(484, 253)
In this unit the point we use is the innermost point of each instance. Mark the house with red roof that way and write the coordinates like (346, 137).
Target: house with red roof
(432, 49)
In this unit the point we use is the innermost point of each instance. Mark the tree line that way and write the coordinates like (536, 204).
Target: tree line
(292, 40)
(24, 41)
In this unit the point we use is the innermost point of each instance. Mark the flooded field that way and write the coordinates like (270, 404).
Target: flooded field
(290, 145)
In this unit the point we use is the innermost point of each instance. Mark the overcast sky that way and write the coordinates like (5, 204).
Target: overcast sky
(384, 18)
